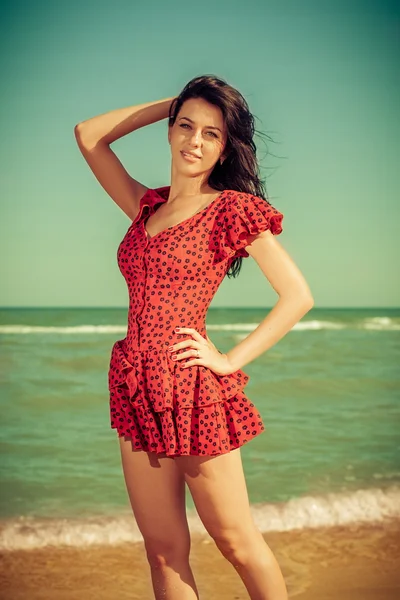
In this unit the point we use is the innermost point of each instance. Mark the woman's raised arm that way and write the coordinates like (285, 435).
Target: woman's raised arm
(94, 137)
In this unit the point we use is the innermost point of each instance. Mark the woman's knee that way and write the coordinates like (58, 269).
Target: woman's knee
(163, 552)
(238, 545)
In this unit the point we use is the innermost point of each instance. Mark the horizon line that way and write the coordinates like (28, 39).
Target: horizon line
(210, 308)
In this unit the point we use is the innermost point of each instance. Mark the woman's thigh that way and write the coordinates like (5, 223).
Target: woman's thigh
(218, 488)
(156, 490)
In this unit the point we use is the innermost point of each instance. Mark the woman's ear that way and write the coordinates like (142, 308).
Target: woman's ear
(224, 155)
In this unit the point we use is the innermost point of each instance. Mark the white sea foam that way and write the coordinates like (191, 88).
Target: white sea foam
(362, 506)
(73, 329)
(375, 323)
(381, 323)
(315, 325)
(300, 326)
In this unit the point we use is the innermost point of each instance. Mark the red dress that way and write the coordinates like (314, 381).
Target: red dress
(172, 278)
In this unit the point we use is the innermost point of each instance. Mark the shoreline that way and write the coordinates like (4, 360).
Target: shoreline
(351, 562)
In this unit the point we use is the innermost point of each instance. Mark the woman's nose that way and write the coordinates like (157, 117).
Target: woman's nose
(195, 139)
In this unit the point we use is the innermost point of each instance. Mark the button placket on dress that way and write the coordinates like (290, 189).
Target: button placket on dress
(159, 405)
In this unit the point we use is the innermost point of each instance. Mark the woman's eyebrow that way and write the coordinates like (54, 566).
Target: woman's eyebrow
(207, 126)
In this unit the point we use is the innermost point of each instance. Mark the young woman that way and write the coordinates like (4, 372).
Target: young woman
(176, 402)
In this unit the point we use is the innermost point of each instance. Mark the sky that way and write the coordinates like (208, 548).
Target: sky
(321, 78)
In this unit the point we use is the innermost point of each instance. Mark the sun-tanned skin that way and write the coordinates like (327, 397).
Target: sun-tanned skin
(156, 483)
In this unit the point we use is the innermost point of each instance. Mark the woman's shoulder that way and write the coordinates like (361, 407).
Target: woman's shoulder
(243, 215)
(150, 199)
(245, 203)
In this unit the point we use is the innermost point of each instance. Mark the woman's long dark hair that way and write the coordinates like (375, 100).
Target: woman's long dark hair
(240, 170)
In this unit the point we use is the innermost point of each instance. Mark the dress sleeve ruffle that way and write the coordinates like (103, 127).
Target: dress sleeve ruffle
(244, 217)
(148, 201)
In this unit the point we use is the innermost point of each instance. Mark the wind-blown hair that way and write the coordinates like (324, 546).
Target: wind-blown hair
(240, 170)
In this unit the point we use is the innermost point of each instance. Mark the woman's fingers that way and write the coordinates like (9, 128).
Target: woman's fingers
(188, 354)
(186, 344)
(196, 341)
(189, 330)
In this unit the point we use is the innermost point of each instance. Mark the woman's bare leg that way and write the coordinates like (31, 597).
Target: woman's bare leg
(156, 490)
(218, 488)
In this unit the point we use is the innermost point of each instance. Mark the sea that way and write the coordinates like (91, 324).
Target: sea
(328, 393)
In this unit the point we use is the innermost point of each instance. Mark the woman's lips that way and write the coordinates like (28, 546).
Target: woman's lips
(189, 157)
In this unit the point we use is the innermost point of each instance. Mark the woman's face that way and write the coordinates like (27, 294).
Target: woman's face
(198, 129)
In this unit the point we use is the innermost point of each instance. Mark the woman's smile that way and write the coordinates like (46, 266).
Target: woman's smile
(189, 157)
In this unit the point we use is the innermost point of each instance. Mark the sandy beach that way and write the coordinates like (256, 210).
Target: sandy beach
(358, 562)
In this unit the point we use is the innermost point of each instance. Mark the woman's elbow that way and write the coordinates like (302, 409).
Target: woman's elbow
(303, 299)
(307, 302)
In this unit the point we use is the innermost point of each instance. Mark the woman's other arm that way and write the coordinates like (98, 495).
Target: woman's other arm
(295, 299)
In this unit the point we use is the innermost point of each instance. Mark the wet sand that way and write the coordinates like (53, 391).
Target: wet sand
(358, 562)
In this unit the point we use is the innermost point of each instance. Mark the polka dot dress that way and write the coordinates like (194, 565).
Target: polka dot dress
(172, 278)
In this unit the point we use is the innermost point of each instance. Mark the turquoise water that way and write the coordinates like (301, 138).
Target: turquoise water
(328, 393)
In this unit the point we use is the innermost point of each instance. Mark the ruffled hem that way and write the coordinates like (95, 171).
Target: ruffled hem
(152, 376)
(170, 410)
(186, 432)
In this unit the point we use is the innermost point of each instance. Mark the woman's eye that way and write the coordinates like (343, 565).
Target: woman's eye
(186, 125)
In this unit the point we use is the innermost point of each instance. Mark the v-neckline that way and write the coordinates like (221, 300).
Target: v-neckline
(199, 212)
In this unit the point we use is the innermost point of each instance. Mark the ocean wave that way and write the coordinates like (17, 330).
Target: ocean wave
(382, 324)
(362, 506)
(375, 324)
(73, 329)
(300, 326)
